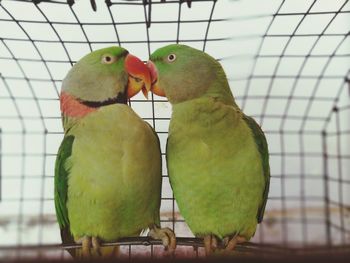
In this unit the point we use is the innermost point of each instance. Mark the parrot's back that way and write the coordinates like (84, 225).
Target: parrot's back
(215, 168)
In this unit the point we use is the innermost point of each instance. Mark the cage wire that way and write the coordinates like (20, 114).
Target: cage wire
(288, 66)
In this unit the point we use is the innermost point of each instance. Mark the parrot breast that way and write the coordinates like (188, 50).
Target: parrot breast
(214, 168)
(115, 175)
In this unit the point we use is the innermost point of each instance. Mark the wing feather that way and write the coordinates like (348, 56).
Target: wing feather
(261, 143)
(61, 188)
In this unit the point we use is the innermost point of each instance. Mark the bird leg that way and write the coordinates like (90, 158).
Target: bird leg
(96, 246)
(86, 244)
(85, 247)
(166, 235)
(210, 244)
(231, 244)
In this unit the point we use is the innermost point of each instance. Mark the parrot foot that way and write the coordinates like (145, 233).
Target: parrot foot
(86, 244)
(166, 235)
(210, 244)
(230, 245)
(96, 246)
(85, 247)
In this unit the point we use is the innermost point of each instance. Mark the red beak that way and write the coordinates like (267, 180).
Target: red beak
(138, 72)
(154, 78)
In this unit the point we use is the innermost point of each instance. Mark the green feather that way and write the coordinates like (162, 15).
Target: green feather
(115, 175)
(215, 168)
(108, 182)
(61, 187)
(217, 157)
(261, 143)
(157, 216)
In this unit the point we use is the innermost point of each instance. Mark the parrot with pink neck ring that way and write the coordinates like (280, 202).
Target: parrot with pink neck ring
(108, 167)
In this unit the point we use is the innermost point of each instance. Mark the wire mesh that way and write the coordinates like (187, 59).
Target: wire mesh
(288, 66)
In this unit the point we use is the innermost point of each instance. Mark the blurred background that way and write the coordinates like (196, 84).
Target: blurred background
(288, 66)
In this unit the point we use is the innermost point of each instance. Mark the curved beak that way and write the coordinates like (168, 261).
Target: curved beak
(154, 78)
(139, 76)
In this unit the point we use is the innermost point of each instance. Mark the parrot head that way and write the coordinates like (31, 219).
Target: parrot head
(182, 73)
(105, 76)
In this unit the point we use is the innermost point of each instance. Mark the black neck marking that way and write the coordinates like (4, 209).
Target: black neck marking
(121, 99)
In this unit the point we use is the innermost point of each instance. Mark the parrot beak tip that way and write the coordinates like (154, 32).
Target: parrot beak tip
(154, 79)
(145, 92)
(138, 70)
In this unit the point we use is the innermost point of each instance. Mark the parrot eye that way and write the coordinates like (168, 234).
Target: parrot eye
(171, 57)
(108, 59)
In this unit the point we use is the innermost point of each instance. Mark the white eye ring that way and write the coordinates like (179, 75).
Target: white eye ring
(108, 59)
(171, 57)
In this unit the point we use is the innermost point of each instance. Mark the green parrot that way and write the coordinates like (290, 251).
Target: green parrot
(217, 157)
(108, 167)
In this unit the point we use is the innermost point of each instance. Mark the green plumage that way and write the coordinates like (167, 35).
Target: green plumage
(215, 168)
(108, 167)
(61, 186)
(217, 157)
(113, 186)
(261, 144)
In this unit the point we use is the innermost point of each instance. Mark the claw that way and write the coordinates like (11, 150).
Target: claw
(166, 235)
(210, 244)
(231, 245)
(86, 244)
(96, 246)
(91, 249)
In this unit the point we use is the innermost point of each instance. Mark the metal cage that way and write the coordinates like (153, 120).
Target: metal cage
(288, 66)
